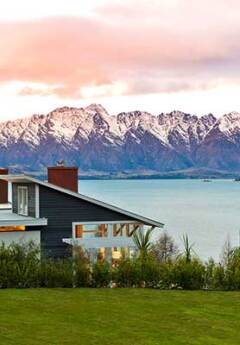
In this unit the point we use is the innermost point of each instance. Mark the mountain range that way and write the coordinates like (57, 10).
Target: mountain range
(131, 142)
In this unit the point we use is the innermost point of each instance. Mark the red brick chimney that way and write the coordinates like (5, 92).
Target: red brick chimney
(3, 187)
(65, 177)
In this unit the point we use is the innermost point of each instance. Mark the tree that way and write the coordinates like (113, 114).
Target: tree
(188, 249)
(226, 251)
(164, 249)
(142, 240)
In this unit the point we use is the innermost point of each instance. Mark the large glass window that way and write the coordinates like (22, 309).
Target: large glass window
(120, 230)
(23, 200)
(12, 228)
(91, 230)
(108, 240)
(105, 230)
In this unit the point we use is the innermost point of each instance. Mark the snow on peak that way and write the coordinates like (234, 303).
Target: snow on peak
(96, 108)
(229, 123)
(69, 126)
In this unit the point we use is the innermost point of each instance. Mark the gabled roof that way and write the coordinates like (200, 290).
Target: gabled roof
(30, 179)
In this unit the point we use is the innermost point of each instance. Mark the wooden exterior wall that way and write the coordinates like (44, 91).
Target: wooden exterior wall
(62, 210)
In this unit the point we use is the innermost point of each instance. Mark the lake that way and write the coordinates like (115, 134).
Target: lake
(208, 212)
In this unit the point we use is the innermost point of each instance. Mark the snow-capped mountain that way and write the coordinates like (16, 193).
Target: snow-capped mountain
(132, 141)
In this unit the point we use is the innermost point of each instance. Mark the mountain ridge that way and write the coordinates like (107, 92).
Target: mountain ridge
(129, 141)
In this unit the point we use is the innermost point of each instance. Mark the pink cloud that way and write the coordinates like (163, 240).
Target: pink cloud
(164, 49)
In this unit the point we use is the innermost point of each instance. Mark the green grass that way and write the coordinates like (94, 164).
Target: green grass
(118, 316)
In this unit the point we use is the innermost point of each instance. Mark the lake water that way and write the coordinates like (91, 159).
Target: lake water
(208, 212)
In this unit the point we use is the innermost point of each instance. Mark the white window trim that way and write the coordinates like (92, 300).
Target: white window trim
(18, 201)
(37, 201)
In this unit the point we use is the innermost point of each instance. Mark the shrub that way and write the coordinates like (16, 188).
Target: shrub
(143, 271)
(232, 270)
(81, 268)
(188, 275)
(209, 274)
(166, 276)
(149, 272)
(82, 274)
(218, 279)
(126, 273)
(19, 265)
(101, 274)
(56, 273)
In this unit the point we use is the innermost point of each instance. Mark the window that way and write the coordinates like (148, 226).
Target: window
(119, 230)
(79, 231)
(23, 201)
(102, 230)
(90, 230)
(12, 228)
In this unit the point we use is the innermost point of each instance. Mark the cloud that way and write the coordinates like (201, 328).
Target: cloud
(114, 89)
(167, 46)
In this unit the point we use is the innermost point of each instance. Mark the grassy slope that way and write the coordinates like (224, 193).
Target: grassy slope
(119, 316)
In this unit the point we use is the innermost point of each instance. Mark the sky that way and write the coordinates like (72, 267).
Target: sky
(156, 56)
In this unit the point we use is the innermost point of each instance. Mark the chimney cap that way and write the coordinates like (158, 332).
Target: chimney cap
(60, 162)
(62, 167)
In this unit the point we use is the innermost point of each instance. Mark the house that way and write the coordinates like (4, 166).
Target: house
(57, 217)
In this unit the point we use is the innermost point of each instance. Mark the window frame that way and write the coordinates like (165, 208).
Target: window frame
(121, 222)
(23, 211)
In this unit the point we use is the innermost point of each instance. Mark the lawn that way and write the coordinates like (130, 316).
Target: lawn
(118, 317)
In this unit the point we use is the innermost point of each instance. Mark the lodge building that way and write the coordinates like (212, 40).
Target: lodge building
(56, 217)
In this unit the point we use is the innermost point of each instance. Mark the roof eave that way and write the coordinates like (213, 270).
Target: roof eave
(24, 222)
(26, 179)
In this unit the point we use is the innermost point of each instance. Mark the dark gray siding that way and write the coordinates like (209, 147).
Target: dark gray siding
(34, 228)
(31, 198)
(62, 210)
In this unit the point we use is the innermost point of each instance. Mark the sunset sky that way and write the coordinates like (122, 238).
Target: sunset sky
(149, 55)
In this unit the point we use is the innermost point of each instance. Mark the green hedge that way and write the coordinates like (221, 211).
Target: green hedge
(21, 267)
